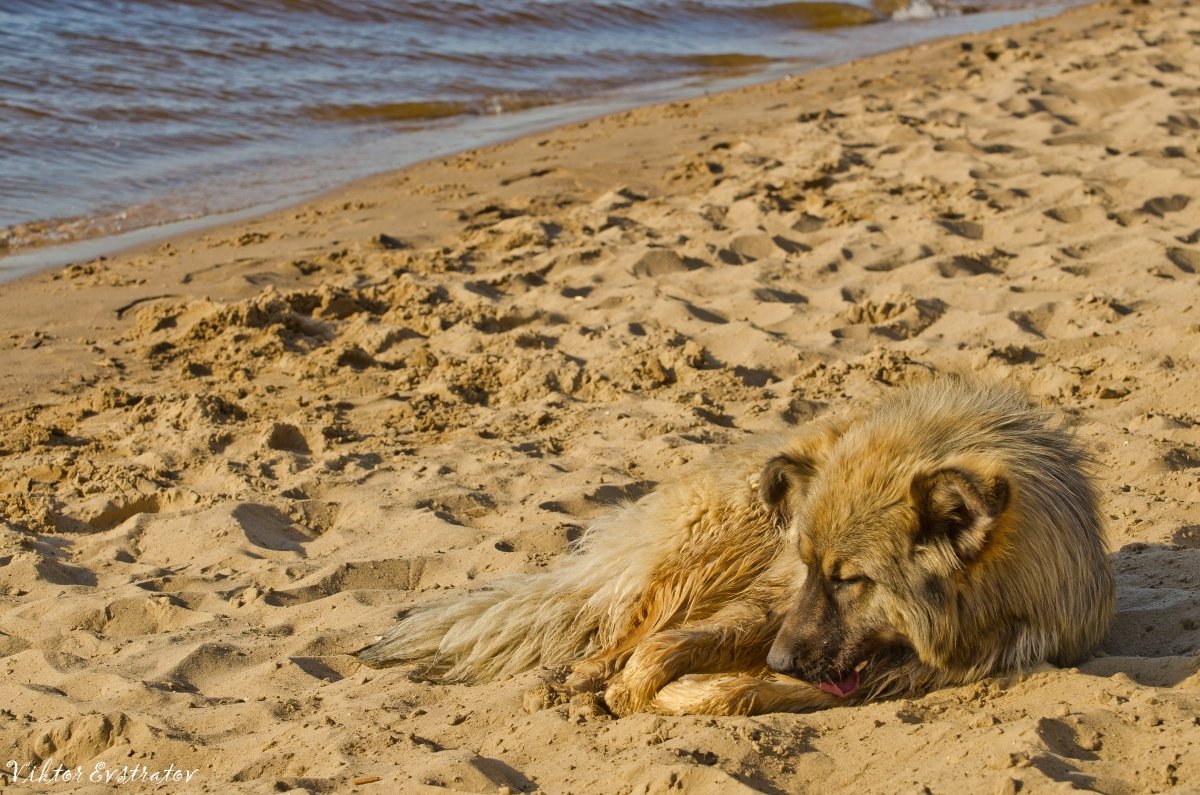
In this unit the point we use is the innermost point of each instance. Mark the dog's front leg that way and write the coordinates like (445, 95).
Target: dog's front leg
(740, 695)
(735, 639)
(654, 663)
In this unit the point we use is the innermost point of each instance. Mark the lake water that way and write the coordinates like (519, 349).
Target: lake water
(124, 114)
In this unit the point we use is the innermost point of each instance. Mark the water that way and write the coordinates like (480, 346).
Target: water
(121, 115)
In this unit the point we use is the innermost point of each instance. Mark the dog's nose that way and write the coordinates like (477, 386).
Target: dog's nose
(780, 660)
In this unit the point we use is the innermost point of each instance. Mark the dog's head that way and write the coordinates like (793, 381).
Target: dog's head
(883, 546)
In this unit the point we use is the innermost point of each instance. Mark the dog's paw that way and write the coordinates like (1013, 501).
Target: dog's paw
(586, 677)
(624, 698)
(619, 700)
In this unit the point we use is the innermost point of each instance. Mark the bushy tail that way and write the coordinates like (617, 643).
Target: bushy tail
(549, 618)
(512, 626)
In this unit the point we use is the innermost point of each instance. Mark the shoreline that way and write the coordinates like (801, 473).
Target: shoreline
(229, 460)
(483, 132)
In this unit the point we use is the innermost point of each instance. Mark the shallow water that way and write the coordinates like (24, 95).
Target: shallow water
(120, 115)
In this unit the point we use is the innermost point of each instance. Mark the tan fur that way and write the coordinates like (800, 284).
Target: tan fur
(949, 534)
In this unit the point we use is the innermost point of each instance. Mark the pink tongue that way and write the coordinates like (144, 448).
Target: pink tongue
(842, 688)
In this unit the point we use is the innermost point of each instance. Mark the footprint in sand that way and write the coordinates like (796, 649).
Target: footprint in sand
(287, 438)
(972, 264)
(891, 258)
(807, 224)
(657, 262)
(1033, 321)
(1161, 205)
(1077, 139)
(11, 644)
(214, 670)
(1065, 215)
(773, 296)
(74, 741)
(392, 574)
(896, 317)
(1060, 108)
(150, 615)
(748, 248)
(962, 228)
(1186, 259)
(702, 314)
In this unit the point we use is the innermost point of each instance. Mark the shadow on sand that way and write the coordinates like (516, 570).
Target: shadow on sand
(1156, 635)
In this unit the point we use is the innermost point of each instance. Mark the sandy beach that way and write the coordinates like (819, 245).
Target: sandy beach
(230, 460)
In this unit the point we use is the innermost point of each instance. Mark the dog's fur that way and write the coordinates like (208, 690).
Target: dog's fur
(949, 534)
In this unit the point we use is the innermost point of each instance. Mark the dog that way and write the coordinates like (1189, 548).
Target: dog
(948, 534)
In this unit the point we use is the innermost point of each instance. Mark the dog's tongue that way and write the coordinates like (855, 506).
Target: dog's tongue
(843, 688)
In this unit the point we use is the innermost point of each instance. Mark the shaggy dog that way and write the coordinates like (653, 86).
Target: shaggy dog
(948, 534)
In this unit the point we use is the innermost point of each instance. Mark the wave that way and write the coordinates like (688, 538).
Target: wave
(819, 15)
(391, 111)
(726, 60)
(544, 14)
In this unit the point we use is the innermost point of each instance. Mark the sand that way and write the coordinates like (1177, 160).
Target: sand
(229, 461)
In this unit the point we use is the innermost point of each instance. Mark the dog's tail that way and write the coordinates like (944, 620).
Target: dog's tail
(514, 625)
(549, 618)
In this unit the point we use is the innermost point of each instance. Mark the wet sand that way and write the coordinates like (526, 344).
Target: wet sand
(228, 461)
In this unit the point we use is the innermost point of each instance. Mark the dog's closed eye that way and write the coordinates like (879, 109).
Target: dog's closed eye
(843, 582)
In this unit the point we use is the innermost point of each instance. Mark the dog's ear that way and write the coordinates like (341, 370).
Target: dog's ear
(784, 476)
(960, 506)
